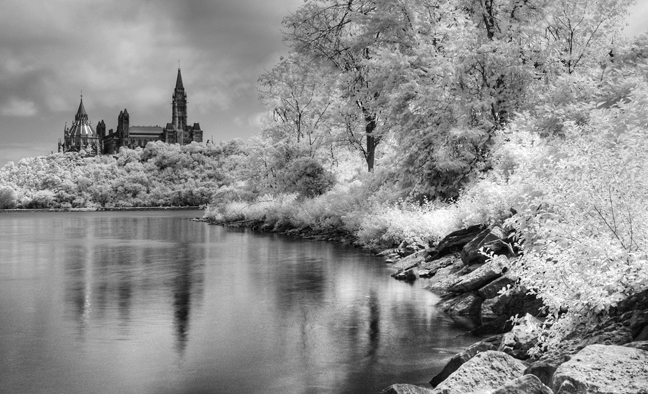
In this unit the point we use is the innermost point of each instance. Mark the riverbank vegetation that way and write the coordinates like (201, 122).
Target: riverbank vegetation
(402, 121)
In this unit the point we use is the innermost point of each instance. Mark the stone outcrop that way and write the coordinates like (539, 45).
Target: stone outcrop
(493, 240)
(477, 279)
(455, 241)
(602, 369)
(527, 384)
(485, 372)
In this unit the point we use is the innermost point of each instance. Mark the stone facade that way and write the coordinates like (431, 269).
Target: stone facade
(82, 137)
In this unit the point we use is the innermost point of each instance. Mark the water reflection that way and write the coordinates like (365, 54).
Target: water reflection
(188, 279)
(109, 272)
(155, 303)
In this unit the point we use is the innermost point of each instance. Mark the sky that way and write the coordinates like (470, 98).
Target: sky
(126, 53)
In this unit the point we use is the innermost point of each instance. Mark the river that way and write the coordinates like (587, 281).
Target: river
(152, 302)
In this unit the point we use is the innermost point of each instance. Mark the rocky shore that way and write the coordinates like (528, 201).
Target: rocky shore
(611, 357)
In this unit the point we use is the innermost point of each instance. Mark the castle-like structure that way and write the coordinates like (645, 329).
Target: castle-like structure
(81, 137)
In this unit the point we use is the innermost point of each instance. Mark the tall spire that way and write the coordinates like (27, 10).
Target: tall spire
(179, 85)
(81, 112)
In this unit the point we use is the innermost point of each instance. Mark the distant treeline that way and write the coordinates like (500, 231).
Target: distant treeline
(159, 175)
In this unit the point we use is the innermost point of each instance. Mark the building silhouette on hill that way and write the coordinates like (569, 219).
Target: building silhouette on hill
(81, 137)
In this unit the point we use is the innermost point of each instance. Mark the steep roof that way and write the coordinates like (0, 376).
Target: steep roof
(81, 126)
(179, 85)
(81, 112)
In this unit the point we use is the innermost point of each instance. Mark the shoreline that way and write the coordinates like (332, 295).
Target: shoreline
(104, 209)
(467, 285)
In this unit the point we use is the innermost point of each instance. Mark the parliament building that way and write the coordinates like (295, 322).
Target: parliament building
(81, 137)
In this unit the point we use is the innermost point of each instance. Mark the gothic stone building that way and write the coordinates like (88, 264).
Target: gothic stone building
(82, 137)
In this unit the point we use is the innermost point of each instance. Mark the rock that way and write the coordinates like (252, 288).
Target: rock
(411, 261)
(445, 276)
(455, 241)
(516, 302)
(492, 289)
(477, 278)
(599, 369)
(637, 301)
(425, 273)
(408, 275)
(498, 325)
(643, 345)
(639, 325)
(493, 239)
(464, 304)
(521, 338)
(545, 369)
(527, 384)
(405, 389)
(491, 343)
(485, 372)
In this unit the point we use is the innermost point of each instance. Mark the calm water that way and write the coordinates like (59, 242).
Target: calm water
(151, 302)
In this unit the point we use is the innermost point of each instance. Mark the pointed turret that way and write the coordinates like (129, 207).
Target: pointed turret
(81, 112)
(80, 136)
(179, 85)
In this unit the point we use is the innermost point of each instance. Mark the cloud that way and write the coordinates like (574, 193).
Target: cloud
(19, 107)
(124, 54)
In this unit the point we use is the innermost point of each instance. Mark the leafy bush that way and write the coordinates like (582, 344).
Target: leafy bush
(583, 211)
(7, 198)
(307, 178)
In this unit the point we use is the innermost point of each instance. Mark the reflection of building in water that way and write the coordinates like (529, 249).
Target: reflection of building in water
(184, 278)
(81, 137)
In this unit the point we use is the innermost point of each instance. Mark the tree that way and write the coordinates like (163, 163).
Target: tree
(335, 31)
(300, 98)
(583, 32)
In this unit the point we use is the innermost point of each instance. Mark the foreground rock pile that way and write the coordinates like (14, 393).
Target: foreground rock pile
(611, 357)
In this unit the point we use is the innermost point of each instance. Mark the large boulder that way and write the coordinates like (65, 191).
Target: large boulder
(491, 343)
(527, 384)
(602, 369)
(405, 389)
(485, 372)
(455, 241)
(477, 278)
(493, 239)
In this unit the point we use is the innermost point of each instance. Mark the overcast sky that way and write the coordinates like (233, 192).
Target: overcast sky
(125, 53)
